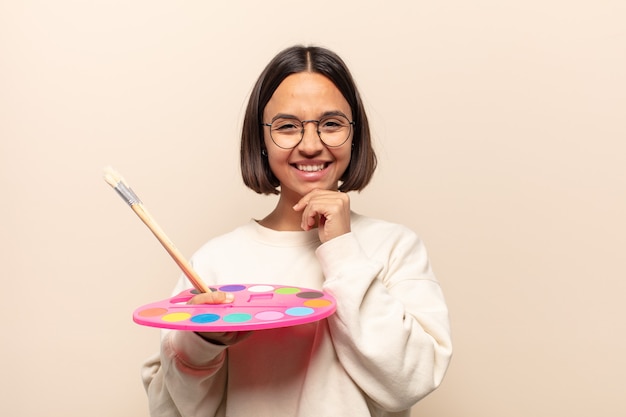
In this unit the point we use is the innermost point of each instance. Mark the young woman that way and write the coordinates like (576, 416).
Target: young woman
(306, 137)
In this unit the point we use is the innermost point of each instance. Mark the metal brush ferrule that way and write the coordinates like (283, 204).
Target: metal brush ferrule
(127, 194)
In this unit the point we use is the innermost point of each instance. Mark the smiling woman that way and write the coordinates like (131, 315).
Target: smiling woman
(387, 345)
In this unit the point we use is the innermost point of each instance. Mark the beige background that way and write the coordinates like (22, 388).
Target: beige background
(501, 135)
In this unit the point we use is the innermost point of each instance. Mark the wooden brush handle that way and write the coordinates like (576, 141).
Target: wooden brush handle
(180, 260)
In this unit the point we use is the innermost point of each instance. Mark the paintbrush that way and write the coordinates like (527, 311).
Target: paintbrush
(116, 181)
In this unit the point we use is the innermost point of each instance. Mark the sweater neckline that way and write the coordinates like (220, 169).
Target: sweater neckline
(281, 238)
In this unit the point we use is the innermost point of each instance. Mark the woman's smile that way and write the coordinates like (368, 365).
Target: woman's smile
(310, 167)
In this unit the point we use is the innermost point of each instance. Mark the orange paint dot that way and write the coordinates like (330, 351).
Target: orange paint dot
(152, 312)
(320, 302)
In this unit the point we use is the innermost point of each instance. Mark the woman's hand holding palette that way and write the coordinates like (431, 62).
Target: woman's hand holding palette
(255, 307)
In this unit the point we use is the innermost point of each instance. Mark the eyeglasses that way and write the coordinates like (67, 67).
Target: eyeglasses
(287, 132)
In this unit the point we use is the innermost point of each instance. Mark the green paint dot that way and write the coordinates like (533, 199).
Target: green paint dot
(237, 318)
(288, 290)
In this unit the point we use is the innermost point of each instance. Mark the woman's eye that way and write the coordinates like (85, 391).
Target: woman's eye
(331, 124)
(286, 127)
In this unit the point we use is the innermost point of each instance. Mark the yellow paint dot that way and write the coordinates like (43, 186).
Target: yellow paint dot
(173, 317)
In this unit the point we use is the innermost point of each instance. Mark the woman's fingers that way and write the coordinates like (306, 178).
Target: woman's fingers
(224, 338)
(329, 210)
(216, 297)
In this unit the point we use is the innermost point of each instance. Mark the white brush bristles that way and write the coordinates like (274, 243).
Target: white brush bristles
(112, 177)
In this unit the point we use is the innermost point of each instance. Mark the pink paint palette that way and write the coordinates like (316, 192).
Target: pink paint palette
(255, 307)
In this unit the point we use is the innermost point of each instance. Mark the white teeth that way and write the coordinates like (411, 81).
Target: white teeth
(310, 168)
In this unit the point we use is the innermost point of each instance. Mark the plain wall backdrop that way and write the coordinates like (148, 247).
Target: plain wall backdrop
(501, 133)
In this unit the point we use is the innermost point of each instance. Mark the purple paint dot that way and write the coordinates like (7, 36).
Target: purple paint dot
(232, 288)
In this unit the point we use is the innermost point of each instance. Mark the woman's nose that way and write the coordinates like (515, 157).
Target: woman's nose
(311, 141)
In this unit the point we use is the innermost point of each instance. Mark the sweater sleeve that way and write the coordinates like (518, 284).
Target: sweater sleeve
(391, 329)
(187, 378)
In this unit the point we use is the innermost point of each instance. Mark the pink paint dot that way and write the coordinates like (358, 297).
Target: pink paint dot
(269, 315)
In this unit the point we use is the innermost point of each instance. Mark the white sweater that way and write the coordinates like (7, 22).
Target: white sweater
(386, 347)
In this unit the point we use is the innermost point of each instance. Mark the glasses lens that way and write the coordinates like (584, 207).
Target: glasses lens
(334, 130)
(286, 133)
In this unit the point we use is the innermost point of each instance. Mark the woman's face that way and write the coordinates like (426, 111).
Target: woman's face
(311, 164)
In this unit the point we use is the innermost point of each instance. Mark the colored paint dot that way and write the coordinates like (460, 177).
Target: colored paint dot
(260, 288)
(269, 315)
(310, 294)
(194, 291)
(237, 318)
(232, 288)
(317, 303)
(152, 312)
(174, 317)
(205, 318)
(180, 300)
(299, 311)
(288, 290)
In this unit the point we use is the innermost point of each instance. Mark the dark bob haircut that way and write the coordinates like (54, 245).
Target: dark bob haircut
(255, 167)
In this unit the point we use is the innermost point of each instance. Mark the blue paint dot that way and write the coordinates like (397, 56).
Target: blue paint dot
(205, 318)
(299, 311)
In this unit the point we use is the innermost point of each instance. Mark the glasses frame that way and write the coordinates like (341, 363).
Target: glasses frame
(317, 129)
